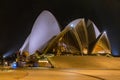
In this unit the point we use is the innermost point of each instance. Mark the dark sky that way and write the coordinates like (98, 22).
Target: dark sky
(17, 18)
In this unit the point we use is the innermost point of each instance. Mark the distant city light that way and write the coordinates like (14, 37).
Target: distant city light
(115, 52)
(4, 56)
(10, 52)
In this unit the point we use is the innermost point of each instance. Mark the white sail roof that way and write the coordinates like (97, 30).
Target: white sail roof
(44, 28)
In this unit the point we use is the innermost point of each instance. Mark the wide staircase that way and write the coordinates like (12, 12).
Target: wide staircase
(85, 62)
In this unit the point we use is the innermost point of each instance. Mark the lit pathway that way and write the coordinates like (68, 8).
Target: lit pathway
(60, 74)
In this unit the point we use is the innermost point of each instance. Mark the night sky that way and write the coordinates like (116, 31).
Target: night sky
(17, 18)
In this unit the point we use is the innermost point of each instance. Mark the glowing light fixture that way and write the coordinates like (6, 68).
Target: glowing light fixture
(104, 32)
(14, 65)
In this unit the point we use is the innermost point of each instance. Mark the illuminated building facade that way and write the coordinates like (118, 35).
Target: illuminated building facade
(78, 37)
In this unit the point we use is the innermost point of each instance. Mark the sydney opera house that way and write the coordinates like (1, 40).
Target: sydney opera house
(79, 37)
